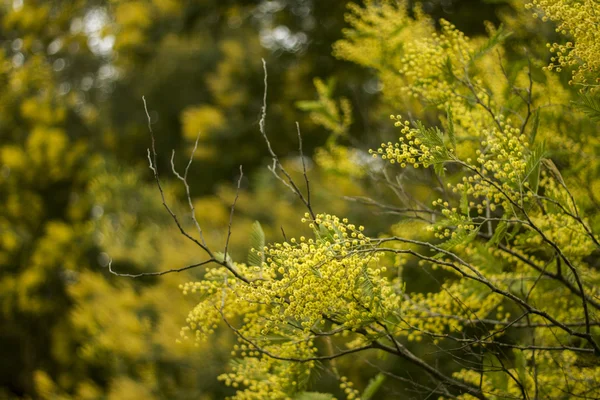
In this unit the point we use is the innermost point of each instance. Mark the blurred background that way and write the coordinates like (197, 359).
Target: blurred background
(76, 191)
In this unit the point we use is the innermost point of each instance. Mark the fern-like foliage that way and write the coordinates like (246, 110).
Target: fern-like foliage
(373, 387)
(532, 169)
(589, 105)
(497, 38)
(313, 396)
(257, 244)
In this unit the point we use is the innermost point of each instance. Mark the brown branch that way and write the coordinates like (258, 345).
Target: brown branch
(559, 277)
(153, 165)
(277, 166)
(483, 280)
(187, 186)
(588, 336)
(407, 355)
(157, 273)
(293, 359)
(237, 192)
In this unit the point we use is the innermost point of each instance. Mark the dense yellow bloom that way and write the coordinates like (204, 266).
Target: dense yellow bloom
(512, 249)
(331, 281)
(579, 20)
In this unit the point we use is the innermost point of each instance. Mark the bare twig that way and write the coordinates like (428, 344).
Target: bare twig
(187, 186)
(153, 165)
(157, 273)
(303, 165)
(277, 166)
(294, 359)
(237, 193)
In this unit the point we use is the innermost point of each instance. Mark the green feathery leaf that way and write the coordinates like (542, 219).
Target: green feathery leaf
(310, 105)
(257, 242)
(430, 136)
(590, 106)
(500, 36)
(366, 285)
(373, 386)
(313, 396)
(220, 256)
(464, 203)
(448, 71)
(536, 125)
(499, 233)
(532, 168)
(462, 237)
(450, 128)
(439, 169)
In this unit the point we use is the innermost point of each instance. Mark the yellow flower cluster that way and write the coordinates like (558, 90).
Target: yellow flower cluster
(580, 21)
(330, 282)
(410, 150)
(506, 158)
(436, 312)
(334, 283)
(215, 297)
(341, 160)
(453, 218)
(334, 275)
(426, 59)
(260, 377)
(500, 174)
(550, 384)
(560, 228)
(377, 19)
(439, 70)
(347, 386)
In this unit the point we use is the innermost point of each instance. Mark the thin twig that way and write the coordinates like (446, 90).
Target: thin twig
(153, 165)
(277, 166)
(187, 186)
(157, 273)
(303, 165)
(237, 193)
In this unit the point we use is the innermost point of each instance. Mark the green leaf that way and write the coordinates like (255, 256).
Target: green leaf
(500, 36)
(396, 31)
(330, 86)
(325, 234)
(313, 396)
(439, 169)
(366, 286)
(430, 136)
(276, 338)
(464, 203)
(515, 230)
(448, 71)
(257, 242)
(373, 386)
(590, 106)
(536, 125)
(450, 128)
(313, 378)
(220, 256)
(551, 167)
(532, 168)
(310, 105)
(434, 139)
(462, 237)
(499, 233)
(316, 272)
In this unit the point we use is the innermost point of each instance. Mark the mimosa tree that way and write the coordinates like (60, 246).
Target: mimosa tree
(507, 229)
